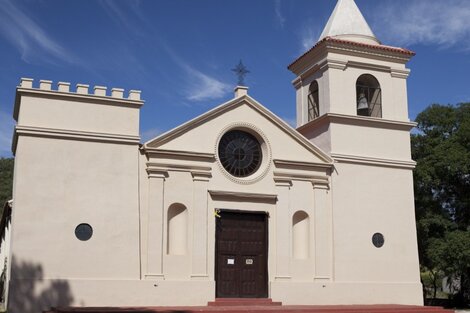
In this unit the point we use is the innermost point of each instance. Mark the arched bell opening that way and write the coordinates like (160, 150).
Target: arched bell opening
(313, 104)
(368, 96)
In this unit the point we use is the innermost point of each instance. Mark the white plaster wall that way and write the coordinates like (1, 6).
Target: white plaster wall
(369, 199)
(320, 136)
(88, 115)
(370, 141)
(62, 183)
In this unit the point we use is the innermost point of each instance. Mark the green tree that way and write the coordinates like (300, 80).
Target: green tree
(6, 180)
(441, 148)
(451, 254)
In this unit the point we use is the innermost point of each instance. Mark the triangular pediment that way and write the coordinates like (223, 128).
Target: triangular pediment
(200, 134)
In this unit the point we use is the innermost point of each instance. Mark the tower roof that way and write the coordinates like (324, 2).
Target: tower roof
(347, 22)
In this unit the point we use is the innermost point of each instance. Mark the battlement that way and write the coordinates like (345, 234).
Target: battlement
(80, 89)
(47, 111)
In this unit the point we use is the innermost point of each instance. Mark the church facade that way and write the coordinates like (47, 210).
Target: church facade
(232, 204)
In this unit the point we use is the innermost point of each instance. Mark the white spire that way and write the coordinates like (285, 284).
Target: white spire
(347, 22)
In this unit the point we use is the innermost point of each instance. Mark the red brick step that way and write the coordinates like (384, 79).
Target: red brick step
(258, 308)
(243, 302)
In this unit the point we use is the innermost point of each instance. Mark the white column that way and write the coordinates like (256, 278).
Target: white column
(283, 235)
(323, 232)
(199, 245)
(155, 225)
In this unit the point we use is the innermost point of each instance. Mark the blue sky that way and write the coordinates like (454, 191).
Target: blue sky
(180, 52)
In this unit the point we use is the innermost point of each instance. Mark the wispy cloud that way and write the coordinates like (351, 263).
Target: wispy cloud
(309, 36)
(28, 36)
(199, 86)
(6, 132)
(202, 87)
(150, 133)
(128, 14)
(278, 13)
(431, 22)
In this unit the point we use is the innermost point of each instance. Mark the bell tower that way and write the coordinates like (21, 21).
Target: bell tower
(351, 101)
(350, 75)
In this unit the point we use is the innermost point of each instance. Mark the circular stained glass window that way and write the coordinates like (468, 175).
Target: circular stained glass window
(378, 240)
(240, 153)
(83, 232)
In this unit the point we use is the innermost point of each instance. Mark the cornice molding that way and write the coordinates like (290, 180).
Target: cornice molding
(328, 44)
(309, 166)
(152, 166)
(201, 175)
(368, 51)
(242, 196)
(343, 65)
(283, 181)
(176, 154)
(160, 174)
(314, 179)
(363, 160)
(357, 120)
(398, 73)
(71, 134)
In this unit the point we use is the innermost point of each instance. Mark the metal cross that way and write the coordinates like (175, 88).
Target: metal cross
(241, 71)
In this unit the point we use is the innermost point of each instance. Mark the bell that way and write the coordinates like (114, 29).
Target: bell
(362, 102)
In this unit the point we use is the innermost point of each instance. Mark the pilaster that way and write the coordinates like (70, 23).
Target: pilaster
(154, 268)
(200, 229)
(322, 235)
(283, 241)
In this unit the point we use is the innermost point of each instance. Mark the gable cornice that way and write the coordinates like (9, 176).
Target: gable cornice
(227, 106)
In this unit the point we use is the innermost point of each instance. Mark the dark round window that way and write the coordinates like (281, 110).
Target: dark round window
(378, 240)
(240, 153)
(83, 232)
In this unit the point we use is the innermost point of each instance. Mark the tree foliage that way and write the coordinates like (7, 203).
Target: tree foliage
(441, 148)
(6, 180)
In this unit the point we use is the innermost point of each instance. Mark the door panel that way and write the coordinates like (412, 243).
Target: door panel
(241, 255)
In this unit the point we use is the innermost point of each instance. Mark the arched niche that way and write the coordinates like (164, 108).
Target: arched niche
(300, 235)
(177, 229)
(313, 104)
(368, 96)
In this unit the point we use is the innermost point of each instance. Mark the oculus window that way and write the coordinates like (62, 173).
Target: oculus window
(83, 232)
(240, 153)
(378, 240)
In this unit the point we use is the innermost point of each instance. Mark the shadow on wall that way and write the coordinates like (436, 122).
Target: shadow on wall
(29, 294)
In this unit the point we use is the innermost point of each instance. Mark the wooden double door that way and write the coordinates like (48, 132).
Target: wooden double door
(241, 250)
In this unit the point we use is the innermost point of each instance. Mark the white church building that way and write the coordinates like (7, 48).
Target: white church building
(232, 204)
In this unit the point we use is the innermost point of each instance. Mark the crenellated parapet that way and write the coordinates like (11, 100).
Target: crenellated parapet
(80, 89)
(47, 110)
